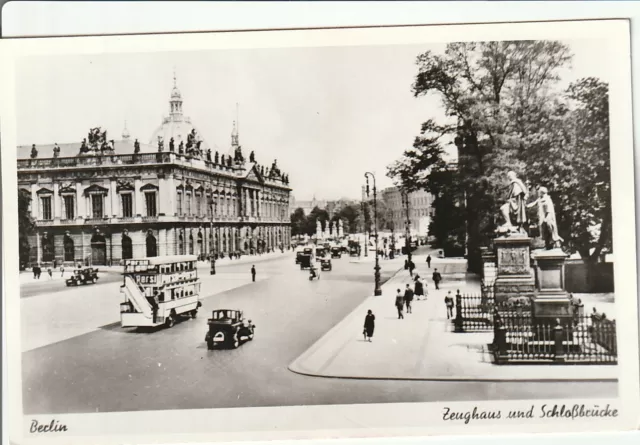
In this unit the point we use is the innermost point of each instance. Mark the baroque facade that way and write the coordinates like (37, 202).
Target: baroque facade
(105, 201)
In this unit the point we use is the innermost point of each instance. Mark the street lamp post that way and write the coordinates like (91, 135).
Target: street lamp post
(407, 242)
(377, 291)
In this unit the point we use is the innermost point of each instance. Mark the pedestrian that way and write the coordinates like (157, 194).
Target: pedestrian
(418, 288)
(411, 268)
(50, 272)
(62, 271)
(408, 297)
(429, 261)
(369, 325)
(38, 271)
(437, 278)
(448, 301)
(400, 303)
(35, 272)
(253, 273)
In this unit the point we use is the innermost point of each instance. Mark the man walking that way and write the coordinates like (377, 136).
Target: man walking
(408, 298)
(253, 273)
(429, 261)
(412, 266)
(400, 303)
(437, 278)
(448, 301)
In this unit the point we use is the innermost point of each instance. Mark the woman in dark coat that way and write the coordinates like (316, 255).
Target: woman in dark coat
(419, 288)
(369, 325)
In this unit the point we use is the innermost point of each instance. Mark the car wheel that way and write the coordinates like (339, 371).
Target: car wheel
(194, 313)
(251, 336)
(235, 342)
(171, 320)
(94, 280)
(210, 345)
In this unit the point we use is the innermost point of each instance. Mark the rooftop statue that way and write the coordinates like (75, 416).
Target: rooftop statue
(34, 152)
(172, 146)
(217, 158)
(181, 148)
(56, 150)
(252, 157)
(160, 143)
(83, 147)
(136, 147)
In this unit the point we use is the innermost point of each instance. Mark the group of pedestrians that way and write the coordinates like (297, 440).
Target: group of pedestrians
(404, 299)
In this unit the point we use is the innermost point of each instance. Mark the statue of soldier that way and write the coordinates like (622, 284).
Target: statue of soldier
(181, 148)
(172, 146)
(84, 148)
(252, 157)
(216, 158)
(136, 147)
(222, 161)
(56, 150)
(160, 144)
(547, 219)
(34, 152)
(229, 164)
(208, 154)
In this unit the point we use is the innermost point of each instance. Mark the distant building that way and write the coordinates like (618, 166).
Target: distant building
(420, 210)
(331, 206)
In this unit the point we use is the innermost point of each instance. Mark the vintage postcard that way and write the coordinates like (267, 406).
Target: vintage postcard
(422, 230)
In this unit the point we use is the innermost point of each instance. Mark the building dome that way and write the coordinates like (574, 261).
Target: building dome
(176, 125)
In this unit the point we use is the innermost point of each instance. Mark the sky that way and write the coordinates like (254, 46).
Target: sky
(327, 114)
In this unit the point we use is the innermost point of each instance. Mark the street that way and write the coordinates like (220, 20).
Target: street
(113, 369)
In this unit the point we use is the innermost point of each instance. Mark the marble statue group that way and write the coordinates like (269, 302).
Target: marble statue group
(514, 212)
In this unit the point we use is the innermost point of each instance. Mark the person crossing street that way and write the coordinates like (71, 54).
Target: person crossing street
(437, 278)
(253, 273)
(408, 298)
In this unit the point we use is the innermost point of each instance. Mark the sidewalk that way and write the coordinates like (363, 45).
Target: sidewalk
(27, 276)
(423, 345)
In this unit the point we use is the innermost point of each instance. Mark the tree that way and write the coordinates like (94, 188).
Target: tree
(350, 216)
(298, 222)
(575, 167)
(317, 214)
(498, 102)
(26, 226)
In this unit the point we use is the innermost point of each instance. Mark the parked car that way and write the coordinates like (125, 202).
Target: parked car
(228, 327)
(83, 276)
(336, 252)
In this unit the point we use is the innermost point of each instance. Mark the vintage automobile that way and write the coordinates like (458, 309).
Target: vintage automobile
(320, 253)
(83, 276)
(306, 261)
(325, 264)
(228, 327)
(336, 252)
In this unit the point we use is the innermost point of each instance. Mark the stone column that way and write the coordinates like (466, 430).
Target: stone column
(56, 201)
(34, 203)
(170, 197)
(79, 201)
(113, 192)
(138, 197)
(247, 208)
(38, 247)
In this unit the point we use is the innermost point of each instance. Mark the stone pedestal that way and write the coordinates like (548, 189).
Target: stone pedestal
(515, 280)
(489, 269)
(552, 301)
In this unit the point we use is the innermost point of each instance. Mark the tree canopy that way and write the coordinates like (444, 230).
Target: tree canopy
(503, 111)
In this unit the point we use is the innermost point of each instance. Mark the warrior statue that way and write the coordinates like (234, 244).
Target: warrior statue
(160, 143)
(136, 147)
(172, 146)
(229, 161)
(237, 156)
(516, 204)
(56, 150)
(262, 170)
(547, 219)
(252, 157)
(84, 148)
(222, 160)
(216, 158)
(208, 154)
(181, 148)
(34, 151)
(274, 168)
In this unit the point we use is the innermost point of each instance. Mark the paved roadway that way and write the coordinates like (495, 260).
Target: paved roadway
(112, 369)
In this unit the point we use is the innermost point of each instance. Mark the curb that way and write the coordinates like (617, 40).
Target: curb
(296, 368)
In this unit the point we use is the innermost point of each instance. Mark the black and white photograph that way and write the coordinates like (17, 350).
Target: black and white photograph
(411, 228)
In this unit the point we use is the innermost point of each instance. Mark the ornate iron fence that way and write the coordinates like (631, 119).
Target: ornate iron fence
(584, 339)
(475, 312)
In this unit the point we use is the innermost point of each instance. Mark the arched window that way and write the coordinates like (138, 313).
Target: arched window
(68, 249)
(127, 247)
(152, 246)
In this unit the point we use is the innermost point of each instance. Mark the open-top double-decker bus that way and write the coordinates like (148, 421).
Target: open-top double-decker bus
(158, 290)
